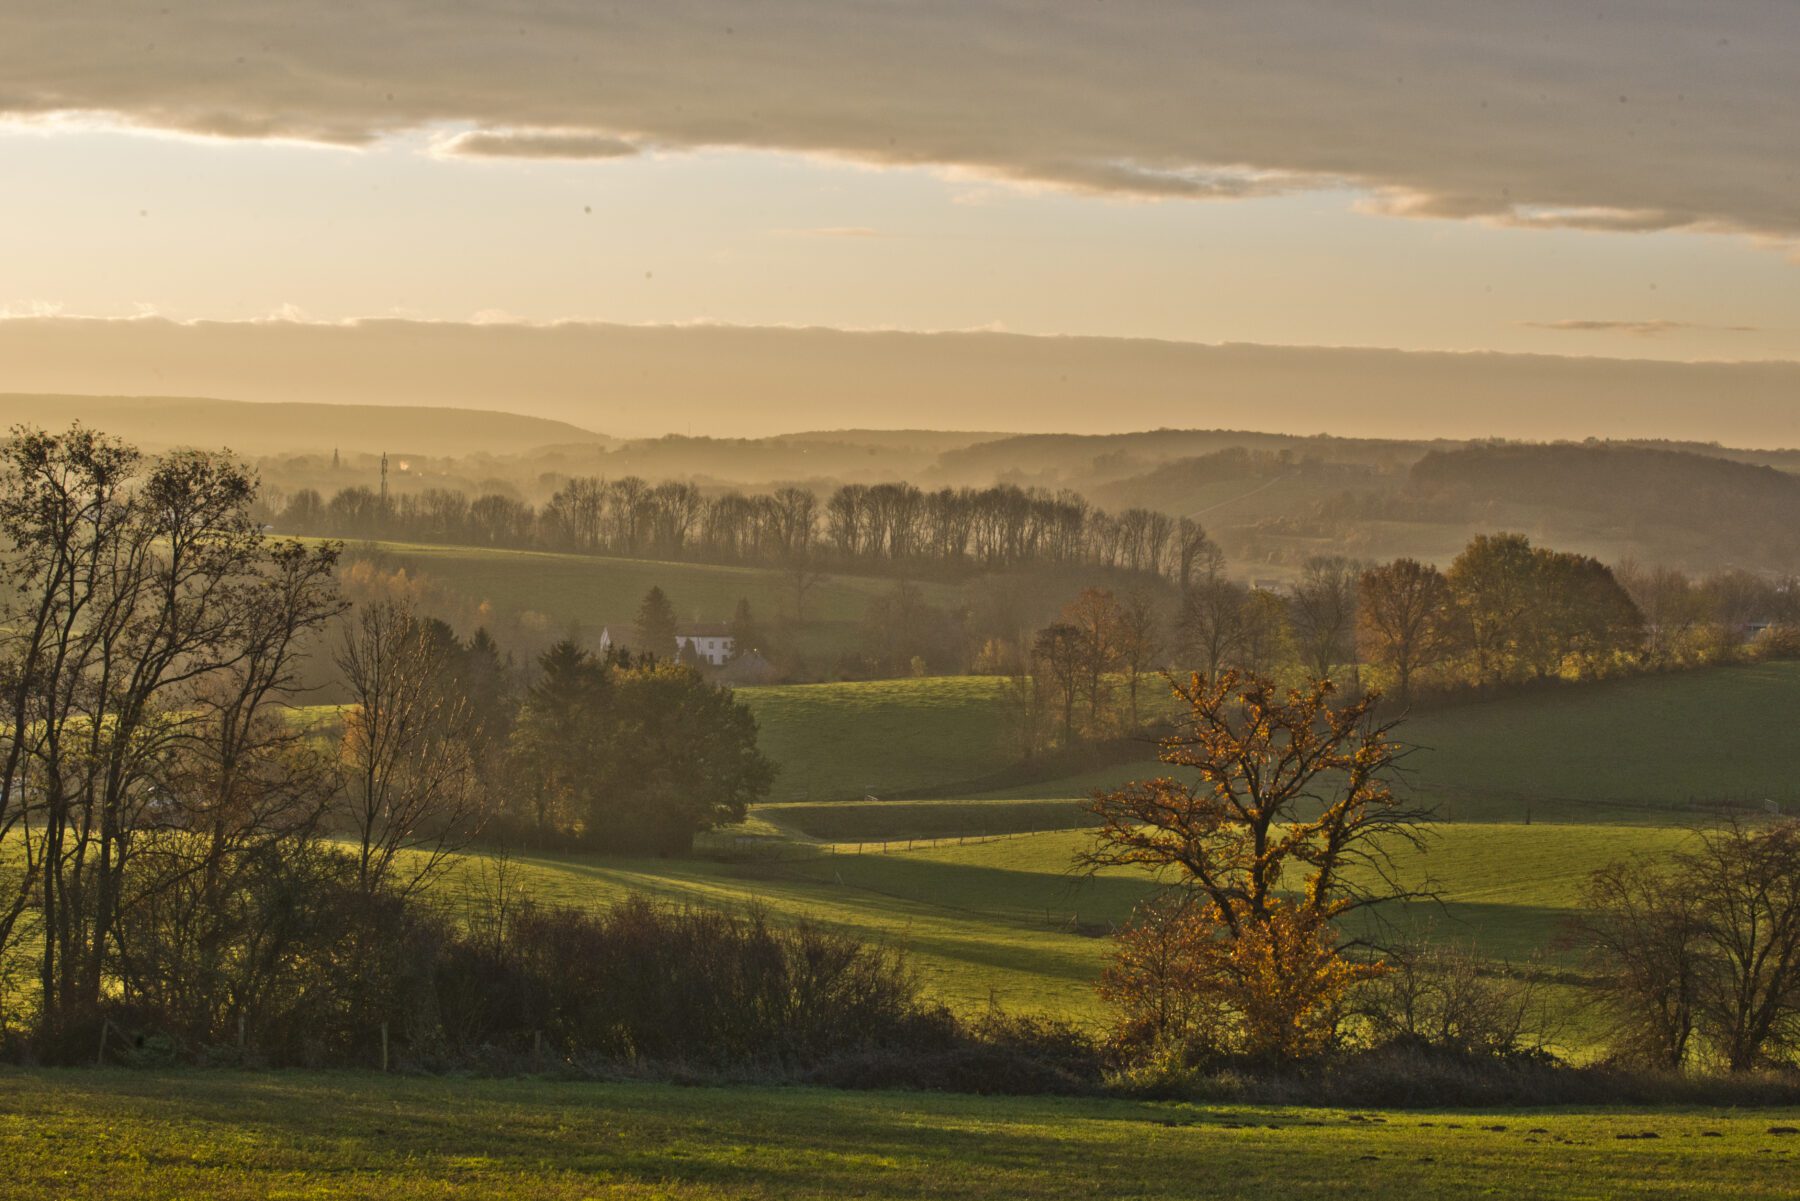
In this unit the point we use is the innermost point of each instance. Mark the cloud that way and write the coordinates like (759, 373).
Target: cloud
(535, 143)
(833, 231)
(1536, 113)
(1654, 328)
(731, 381)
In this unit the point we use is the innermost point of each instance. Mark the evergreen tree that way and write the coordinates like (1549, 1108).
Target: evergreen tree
(656, 625)
(746, 636)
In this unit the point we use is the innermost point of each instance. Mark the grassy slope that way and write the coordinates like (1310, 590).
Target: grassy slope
(845, 740)
(156, 1136)
(1627, 749)
(1012, 920)
(1009, 920)
(596, 591)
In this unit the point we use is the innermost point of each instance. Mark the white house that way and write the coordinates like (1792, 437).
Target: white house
(712, 642)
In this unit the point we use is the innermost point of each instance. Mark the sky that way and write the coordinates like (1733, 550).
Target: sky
(1619, 180)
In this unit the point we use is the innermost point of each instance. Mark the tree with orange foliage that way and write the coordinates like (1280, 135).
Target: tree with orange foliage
(1288, 826)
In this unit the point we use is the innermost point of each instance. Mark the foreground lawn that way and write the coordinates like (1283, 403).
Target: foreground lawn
(115, 1135)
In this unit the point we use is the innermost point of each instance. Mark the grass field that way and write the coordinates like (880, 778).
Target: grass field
(1002, 914)
(1011, 920)
(994, 909)
(1590, 752)
(595, 591)
(851, 740)
(154, 1136)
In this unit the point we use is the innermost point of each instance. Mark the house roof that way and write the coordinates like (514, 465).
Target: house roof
(702, 629)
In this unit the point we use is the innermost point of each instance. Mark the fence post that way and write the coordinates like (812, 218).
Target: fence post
(384, 1046)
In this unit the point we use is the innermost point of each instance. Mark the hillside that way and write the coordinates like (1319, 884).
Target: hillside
(1602, 751)
(251, 429)
(1681, 506)
(547, 595)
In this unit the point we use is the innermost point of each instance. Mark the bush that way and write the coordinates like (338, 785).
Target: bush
(647, 982)
(1443, 998)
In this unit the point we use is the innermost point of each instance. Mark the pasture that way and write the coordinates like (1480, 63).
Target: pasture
(157, 1136)
(990, 905)
(588, 592)
(1631, 749)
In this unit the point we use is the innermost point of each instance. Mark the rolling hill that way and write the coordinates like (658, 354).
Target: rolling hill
(250, 429)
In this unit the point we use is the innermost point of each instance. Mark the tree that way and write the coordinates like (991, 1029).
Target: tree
(411, 791)
(1582, 621)
(1136, 637)
(803, 576)
(1642, 933)
(1095, 616)
(1704, 949)
(1405, 620)
(746, 635)
(1322, 614)
(1263, 636)
(1212, 623)
(1056, 656)
(1494, 582)
(242, 786)
(1197, 557)
(680, 757)
(557, 746)
(148, 629)
(1674, 612)
(1285, 827)
(655, 630)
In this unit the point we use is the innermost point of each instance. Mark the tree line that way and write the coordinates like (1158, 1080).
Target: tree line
(173, 823)
(871, 525)
(1503, 612)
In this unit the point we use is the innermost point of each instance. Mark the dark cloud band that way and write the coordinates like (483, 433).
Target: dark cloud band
(1639, 115)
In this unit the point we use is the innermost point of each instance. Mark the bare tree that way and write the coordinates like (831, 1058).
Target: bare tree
(410, 787)
(1137, 638)
(1212, 622)
(1057, 660)
(803, 576)
(142, 597)
(1095, 615)
(1322, 614)
(1197, 557)
(1704, 949)
(1405, 619)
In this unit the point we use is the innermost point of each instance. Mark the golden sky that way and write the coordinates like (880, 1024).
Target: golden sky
(1598, 179)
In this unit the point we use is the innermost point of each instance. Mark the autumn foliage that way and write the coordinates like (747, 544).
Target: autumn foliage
(1277, 832)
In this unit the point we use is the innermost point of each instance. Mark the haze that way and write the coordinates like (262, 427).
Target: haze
(390, 203)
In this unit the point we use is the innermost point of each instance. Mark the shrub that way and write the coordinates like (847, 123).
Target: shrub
(642, 981)
(1443, 998)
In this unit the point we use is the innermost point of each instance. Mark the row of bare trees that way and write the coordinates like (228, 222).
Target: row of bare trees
(898, 523)
(154, 778)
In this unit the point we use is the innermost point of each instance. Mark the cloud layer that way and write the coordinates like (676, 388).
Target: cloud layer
(734, 381)
(1654, 327)
(1639, 115)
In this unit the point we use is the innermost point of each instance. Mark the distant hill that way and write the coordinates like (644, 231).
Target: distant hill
(252, 429)
(1679, 506)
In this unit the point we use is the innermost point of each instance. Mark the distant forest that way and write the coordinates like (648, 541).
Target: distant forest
(950, 529)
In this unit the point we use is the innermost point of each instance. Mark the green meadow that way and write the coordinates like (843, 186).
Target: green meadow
(591, 592)
(1533, 793)
(159, 1136)
(984, 892)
